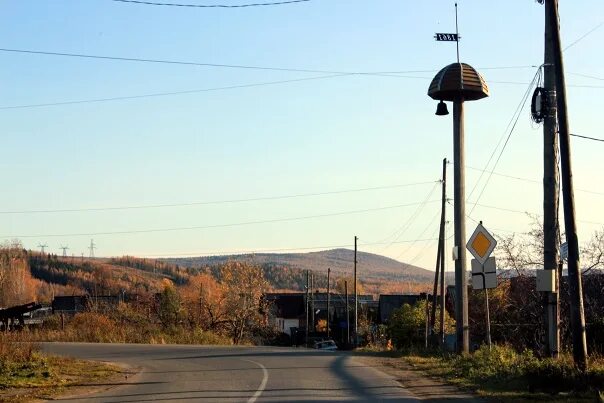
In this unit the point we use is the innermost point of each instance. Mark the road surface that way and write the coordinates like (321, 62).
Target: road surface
(235, 374)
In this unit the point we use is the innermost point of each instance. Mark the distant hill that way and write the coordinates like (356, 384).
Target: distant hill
(370, 266)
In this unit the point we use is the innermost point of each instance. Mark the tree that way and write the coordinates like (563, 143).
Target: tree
(340, 286)
(244, 286)
(406, 325)
(169, 311)
(16, 283)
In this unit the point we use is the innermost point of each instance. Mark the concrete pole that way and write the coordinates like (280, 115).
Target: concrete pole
(461, 279)
(551, 229)
(577, 315)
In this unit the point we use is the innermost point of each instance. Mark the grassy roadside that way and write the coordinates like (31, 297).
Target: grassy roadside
(27, 374)
(504, 375)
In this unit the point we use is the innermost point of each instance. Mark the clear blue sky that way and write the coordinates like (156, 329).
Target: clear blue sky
(323, 135)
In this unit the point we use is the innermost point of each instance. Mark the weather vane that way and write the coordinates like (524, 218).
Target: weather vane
(447, 37)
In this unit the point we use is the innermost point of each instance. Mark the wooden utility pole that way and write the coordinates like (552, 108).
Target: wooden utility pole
(356, 303)
(328, 299)
(551, 228)
(577, 315)
(347, 312)
(442, 254)
(439, 254)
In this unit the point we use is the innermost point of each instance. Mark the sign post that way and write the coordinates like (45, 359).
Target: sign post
(484, 267)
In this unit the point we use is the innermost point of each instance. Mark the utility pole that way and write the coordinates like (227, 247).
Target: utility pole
(577, 315)
(356, 303)
(442, 254)
(312, 300)
(306, 305)
(551, 229)
(439, 254)
(328, 299)
(347, 313)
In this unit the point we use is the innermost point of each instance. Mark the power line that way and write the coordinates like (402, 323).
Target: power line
(150, 3)
(227, 201)
(237, 66)
(509, 210)
(586, 137)
(163, 94)
(401, 230)
(584, 36)
(250, 251)
(519, 110)
(528, 179)
(245, 223)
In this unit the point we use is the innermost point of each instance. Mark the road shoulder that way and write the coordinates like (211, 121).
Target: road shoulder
(416, 381)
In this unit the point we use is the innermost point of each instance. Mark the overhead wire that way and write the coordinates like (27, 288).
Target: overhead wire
(519, 110)
(247, 5)
(211, 202)
(250, 251)
(163, 94)
(586, 137)
(401, 230)
(245, 223)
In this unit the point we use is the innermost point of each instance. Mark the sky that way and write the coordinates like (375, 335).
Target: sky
(208, 171)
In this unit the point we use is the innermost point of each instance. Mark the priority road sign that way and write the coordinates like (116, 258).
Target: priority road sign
(484, 276)
(481, 244)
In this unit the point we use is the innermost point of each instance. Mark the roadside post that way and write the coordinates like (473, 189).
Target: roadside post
(484, 267)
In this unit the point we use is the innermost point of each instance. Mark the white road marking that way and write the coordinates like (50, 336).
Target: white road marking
(262, 384)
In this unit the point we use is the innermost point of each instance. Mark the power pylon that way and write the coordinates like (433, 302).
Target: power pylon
(64, 250)
(42, 246)
(91, 248)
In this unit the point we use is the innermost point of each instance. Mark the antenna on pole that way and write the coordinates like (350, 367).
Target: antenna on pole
(64, 250)
(456, 32)
(91, 248)
(450, 37)
(42, 246)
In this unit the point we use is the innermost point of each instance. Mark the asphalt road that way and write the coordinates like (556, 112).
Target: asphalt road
(235, 374)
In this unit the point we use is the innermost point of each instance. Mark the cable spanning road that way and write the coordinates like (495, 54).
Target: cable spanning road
(235, 374)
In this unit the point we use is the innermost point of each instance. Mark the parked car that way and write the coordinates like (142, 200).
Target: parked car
(328, 345)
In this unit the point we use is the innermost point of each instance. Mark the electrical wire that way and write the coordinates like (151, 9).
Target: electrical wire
(539, 182)
(227, 201)
(584, 36)
(245, 223)
(586, 137)
(250, 251)
(519, 110)
(151, 3)
(401, 230)
(163, 94)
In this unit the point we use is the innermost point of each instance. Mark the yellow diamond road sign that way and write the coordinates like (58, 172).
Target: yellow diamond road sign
(481, 244)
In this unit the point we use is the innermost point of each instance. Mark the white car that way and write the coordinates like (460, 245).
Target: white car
(328, 345)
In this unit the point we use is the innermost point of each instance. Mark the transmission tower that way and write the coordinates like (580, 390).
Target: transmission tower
(91, 248)
(64, 250)
(42, 246)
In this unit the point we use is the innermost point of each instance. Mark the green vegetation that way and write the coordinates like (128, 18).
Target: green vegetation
(26, 373)
(507, 375)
